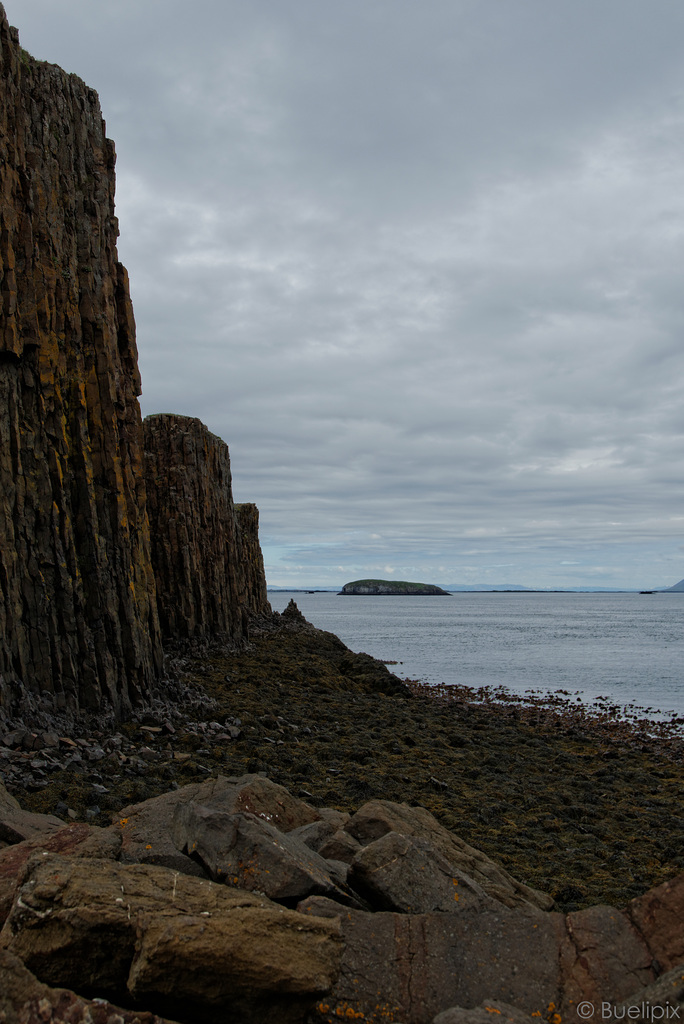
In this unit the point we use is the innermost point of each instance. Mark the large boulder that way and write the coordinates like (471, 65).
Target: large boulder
(146, 931)
(378, 817)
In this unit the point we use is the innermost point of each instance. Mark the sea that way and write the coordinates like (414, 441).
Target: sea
(596, 649)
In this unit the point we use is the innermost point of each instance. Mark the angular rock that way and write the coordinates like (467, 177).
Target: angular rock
(491, 1011)
(140, 929)
(25, 1000)
(410, 876)
(78, 840)
(245, 851)
(378, 817)
(315, 834)
(147, 828)
(340, 846)
(77, 606)
(659, 915)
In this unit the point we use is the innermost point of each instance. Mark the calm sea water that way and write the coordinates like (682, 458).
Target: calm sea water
(628, 648)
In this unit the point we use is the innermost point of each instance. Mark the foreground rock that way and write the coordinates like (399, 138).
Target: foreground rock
(167, 940)
(25, 1000)
(397, 930)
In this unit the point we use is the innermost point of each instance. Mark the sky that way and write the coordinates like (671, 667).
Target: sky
(419, 264)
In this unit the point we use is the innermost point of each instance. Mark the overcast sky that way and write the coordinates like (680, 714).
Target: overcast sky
(418, 263)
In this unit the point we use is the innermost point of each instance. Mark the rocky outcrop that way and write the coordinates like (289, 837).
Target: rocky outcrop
(78, 615)
(392, 588)
(205, 550)
(399, 932)
(203, 587)
(253, 595)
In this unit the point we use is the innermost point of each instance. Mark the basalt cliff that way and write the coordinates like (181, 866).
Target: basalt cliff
(112, 535)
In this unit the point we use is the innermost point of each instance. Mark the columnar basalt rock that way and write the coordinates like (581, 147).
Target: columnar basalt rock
(254, 595)
(78, 613)
(206, 556)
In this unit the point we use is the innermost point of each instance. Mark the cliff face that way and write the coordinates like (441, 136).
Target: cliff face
(253, 595)
(77, 602)
(82, 587)
(205, 550)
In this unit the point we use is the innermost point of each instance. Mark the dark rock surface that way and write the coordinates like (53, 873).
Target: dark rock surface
(205, 551)
(78, 620)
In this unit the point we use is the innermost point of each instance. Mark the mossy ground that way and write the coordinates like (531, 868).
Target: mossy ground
(583, 808)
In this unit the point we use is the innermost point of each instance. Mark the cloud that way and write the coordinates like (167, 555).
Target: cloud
(419, 267)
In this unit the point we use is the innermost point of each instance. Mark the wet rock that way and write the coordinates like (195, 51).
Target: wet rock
(149, 931)
(378, 817)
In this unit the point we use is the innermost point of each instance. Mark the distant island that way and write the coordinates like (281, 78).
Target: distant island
(393, 588)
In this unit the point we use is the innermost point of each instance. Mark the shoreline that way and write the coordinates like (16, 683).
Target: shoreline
(581, 807)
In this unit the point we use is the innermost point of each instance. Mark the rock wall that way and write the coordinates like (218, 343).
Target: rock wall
(77, 598)
(254, 595)
(205, 551)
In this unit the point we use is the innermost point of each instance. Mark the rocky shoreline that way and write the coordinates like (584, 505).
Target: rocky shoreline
(584, 808)
(292, 776)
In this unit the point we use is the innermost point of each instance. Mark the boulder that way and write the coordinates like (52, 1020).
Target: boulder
(410, 967)
(378, 817)
(412, 877)
(659, 917)
(77, 840)
(25, 1000)
(146, 828)
(17, 825)
(250, 853)
(141, 930)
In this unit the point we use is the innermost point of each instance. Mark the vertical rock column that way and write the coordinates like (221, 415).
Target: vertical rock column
(77, 599)
(197, 542)
(254, 595)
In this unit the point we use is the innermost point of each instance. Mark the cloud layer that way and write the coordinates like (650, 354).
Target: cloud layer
(418, 264)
